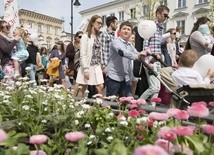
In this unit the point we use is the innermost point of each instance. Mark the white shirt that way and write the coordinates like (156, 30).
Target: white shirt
(188, 76)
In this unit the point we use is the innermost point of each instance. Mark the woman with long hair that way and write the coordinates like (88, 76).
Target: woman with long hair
(196, 40)
(90, 72)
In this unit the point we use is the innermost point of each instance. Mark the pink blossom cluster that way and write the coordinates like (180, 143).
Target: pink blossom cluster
(74, 136)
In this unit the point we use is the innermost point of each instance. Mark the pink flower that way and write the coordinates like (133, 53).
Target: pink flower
(125, 99)
(198, 111)
(140, 137)
(164, 144)
(142, 111)
(211, 103)
(158, 116)
(121, 117)
(141, 101)
(133, 101)
(167, 134)
(3, 135)
(38, 139)
(184, 130)
(209, 129)
(149, 150)
(172, 111)
(133, 113)
(140, 127)
(74, 136)
(133, 105)
(199, 103)
(156, 99)
(150, 122)
(37, 152)
(181, 115)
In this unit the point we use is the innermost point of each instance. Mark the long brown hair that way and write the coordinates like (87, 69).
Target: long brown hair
(201, 20)
(89, 28)
(77, 44)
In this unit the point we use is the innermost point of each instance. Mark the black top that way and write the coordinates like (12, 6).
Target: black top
(6, 47)
(32, 50)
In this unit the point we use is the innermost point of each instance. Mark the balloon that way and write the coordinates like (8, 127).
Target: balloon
(147, 28)
(203, 64)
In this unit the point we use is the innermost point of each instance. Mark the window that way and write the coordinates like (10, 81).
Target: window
(163, 2)
(181, 3)
(48, 29)
(181, 24)
(202, 1)
(112, 14)
(133, 13)
(121, 15)
(104, 19)
(145, 10)
(40, 28)
(30, 24)
(56, 31)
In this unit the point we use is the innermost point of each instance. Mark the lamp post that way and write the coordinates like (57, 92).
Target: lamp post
(76, 3)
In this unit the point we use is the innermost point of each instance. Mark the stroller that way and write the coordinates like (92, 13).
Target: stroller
(185, 95)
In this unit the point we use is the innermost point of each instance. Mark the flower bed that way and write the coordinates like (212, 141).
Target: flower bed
(50, 120)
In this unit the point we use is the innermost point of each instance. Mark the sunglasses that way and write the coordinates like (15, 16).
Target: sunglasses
(166, 16)
(7, 27)
(174, 33)
(80, 37)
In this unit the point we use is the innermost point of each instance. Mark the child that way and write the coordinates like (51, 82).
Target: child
(185, 74)
(21, 54)
(205, 31)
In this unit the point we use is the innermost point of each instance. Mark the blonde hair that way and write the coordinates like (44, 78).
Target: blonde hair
(188, 58)
(23, 34)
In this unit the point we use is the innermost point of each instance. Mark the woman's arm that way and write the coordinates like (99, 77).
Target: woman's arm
(5, 47)
(83, 52)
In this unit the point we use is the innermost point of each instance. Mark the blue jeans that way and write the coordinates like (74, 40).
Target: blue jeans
(117, 88)
(32, 72)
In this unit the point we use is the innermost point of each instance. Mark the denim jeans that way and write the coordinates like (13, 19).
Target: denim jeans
(117, 88)
(32, 72)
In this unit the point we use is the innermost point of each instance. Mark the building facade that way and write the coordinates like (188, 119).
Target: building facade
(49, 29)
(183, 13)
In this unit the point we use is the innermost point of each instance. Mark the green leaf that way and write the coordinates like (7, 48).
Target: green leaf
(196, 142)
(22, 149)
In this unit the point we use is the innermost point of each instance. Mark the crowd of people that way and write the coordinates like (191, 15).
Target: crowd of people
(104, 61)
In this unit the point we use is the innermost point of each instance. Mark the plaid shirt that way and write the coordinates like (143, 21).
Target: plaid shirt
(154, 43)
(106, 38)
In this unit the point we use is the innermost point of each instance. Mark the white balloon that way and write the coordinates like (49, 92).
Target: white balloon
(147, 28)
(203, 64)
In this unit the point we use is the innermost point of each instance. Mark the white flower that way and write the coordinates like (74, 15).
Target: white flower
(142, 119)
(25, 107)
(107, 130)
(86, 106)
(109, 138)
(46, 109)
(126, 137)
(45, 103)
(124, 123)
(18, 83)
(44, 121)
(76, 122)
(87, 125)
(110, 115)
(92, 136)
(99, 100)
(89, 143)
(29, 96)
(6, 101)
(19, 123)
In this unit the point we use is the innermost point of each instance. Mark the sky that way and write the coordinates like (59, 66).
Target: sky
(57, 8)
